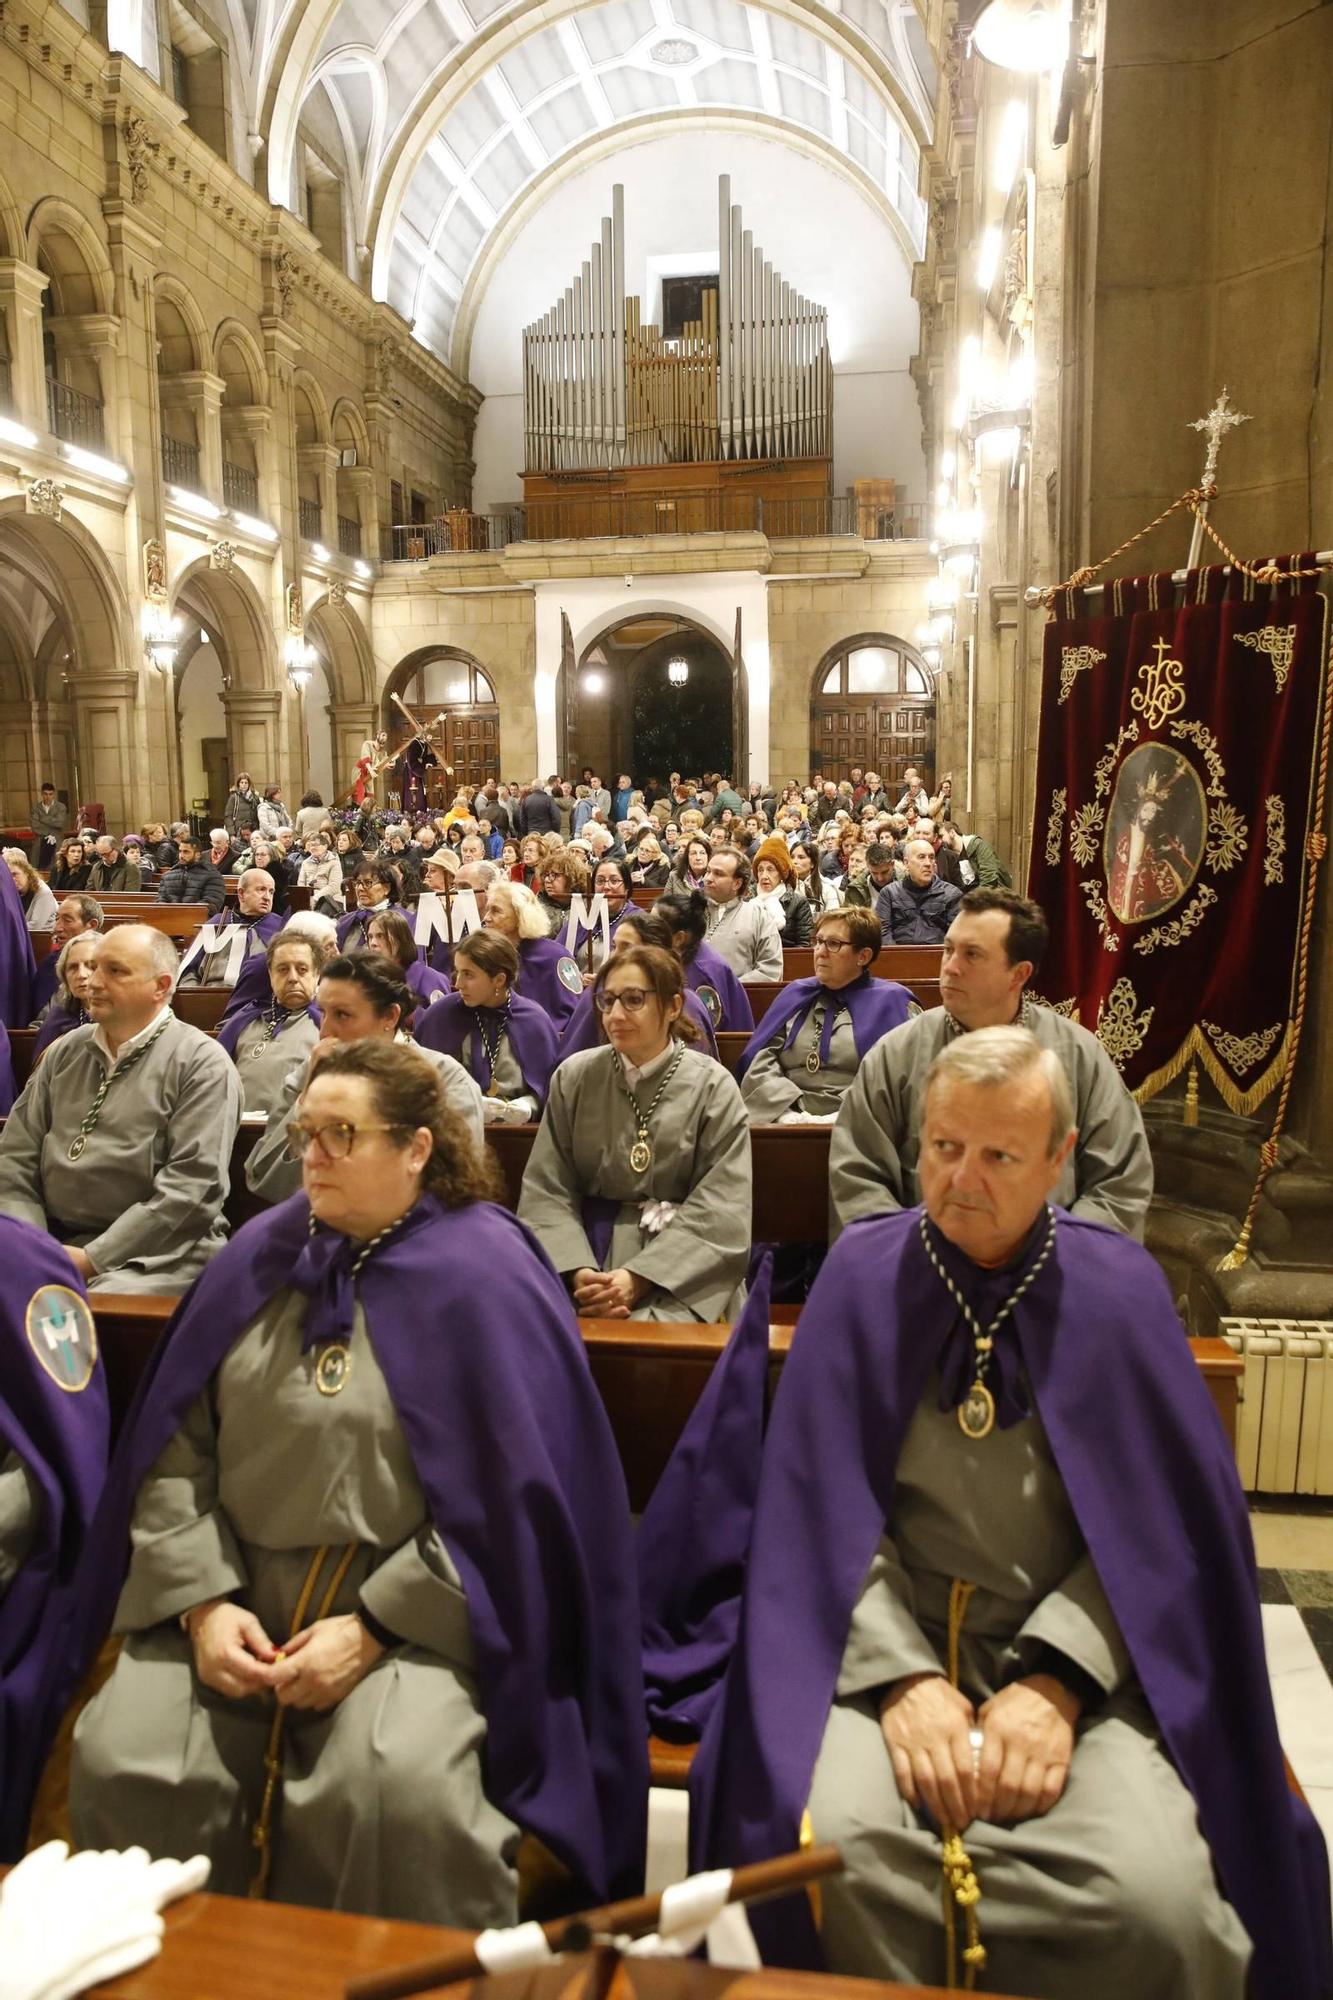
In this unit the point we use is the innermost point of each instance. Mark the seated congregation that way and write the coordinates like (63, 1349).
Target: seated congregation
(974, 1599)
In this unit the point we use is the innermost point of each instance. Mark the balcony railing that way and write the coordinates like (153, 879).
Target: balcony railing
(180, 463)
(309, 519)
(594, 516)
(349, 536)
(71, 415)
(240, 487)
(6, 383)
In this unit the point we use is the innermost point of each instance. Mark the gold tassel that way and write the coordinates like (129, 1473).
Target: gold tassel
(1239, 1253)
(960, 1889)
(1190, 1116)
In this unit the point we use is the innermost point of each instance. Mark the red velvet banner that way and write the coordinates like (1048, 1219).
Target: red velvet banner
(1182, 754)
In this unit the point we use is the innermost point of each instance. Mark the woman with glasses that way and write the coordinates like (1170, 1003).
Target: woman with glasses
(586, 1029)
(361, 996)
(379, 1609)
(811, 1042)
(506, 1044)
(638, 1186)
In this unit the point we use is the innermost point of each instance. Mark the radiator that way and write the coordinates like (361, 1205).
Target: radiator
(1284, 1439)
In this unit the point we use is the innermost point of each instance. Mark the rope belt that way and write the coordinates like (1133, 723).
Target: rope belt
(960, 1889)
(261, 1834)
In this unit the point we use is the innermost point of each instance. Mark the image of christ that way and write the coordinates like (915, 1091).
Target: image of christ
(1155, 834)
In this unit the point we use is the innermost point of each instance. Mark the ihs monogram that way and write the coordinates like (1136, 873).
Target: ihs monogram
(1161, 694)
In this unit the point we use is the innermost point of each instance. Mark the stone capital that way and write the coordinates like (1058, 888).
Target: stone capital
(110, 684)
(317, 458)
(246, 420)
(195, 389)
(251, 704)
(23, 283)
(90, 334)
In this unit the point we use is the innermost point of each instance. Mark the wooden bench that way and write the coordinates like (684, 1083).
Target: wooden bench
(201, 1006)
(763, 992)
(903, 962)
(21, 1041)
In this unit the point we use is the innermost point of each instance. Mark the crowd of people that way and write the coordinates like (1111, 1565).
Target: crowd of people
(366, 1538)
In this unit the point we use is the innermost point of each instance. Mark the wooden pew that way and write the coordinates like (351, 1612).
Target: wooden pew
(21, 1042)
(201, 1006)
(903, 962)
(730, 1044)
(763, 992)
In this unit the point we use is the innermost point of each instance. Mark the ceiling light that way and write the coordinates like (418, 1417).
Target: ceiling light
(193, 503)
(319, 552)
(259, 530)
(988, 258)
(1026, 35)
(672, 52)
(678, 672)
(1009, 150)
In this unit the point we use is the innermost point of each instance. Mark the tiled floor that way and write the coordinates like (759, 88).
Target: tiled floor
(1295, 1552)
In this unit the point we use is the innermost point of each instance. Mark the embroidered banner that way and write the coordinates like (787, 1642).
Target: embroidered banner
(1182, 755)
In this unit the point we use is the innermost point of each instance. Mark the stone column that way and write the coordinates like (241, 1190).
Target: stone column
(106, 731)
(201, 394)
(359, 482)
(322, 461)
(21, 289)
(255, 424)
(255, 734)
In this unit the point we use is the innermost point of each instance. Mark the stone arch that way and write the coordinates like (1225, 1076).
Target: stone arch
(64, 243)
(12, 240)
(610, 736)
(180, 325)
(228, 607)
(345, 645)
(470, 733)
(878, 713)
(239, 360)
(310, 411)
(348, 427)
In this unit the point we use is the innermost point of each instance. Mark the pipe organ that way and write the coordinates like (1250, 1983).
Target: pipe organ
(750, 380)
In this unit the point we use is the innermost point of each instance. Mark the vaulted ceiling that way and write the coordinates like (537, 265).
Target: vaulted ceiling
(451, 115)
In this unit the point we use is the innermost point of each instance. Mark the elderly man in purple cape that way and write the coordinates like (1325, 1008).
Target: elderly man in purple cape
(368, 1477)
(1000, 1623)
(813, 1039)
(18, 968)
(270, 1032)
(54, 1432)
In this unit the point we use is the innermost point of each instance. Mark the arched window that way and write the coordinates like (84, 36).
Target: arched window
(453, 684)
(872, 667)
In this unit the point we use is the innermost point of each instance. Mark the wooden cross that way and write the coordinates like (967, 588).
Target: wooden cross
(418, 728)
(1219, 420)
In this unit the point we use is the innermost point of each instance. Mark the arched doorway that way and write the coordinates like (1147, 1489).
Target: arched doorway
(652, 694)
(441, 680)
(227, 705)
(872, 705)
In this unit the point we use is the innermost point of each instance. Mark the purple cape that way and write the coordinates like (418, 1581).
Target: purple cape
(58, 1022)
(481, 1352)
(237, 1019)
(694, 1533)
(18, 967)
(7, 1091)
(876, 1006)
(62, 1437)
(352, 928)
(44, 983)
(426, 982)
(1153, 1485)
(583, 1030)
(727, 1001)
(449, 1024)
(539, 978)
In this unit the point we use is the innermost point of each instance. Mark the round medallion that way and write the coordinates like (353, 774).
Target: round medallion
(492, 1088)
(61, 1334)
(77, 1147)
(812, 1062)
(976, 1412)
(712, 1002)
(333, 1368)
(640, 1156)
(258, 1051)
(569, 976)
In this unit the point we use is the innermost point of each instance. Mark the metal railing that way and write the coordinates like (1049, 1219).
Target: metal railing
(594, 516)
(180, 463)
(73, 416)
(309, 519)
(6, 382)
(349, 536)
(240, 487)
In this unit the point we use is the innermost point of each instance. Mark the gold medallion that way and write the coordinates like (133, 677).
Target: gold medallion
(492, 1088)
(640, 1156)
(77, 1146)
(333, 1368)
(976, 1412)
(812, 1062)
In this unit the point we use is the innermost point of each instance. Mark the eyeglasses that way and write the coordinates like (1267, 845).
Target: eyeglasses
(335, 1140)
(631, 998)
(832, 944)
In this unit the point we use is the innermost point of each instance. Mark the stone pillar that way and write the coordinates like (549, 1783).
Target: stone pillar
(281, 348)
(254, 732)
(21, 289)
(254, 423)
(106, 731)
(322, 461)
(359, 483)
(201, 394)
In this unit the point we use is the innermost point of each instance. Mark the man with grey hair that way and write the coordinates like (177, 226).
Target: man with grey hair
(994, 945)
(74, 915)
(121, 1143)
(920, 908)
(111, 870)
(226, 942)
(1066, 1767)
(746, 934)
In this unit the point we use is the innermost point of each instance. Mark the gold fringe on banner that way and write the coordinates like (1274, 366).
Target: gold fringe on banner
(1196, 1048)
(1190, 1115)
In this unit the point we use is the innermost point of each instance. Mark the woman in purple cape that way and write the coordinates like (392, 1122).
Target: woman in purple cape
(377, 1537)
(546, 972)
(584, 1030)
(505, 1043)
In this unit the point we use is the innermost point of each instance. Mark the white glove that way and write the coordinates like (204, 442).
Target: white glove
(68, 1923)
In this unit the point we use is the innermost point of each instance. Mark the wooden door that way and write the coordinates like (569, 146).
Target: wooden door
(472, 745)
(882, 733)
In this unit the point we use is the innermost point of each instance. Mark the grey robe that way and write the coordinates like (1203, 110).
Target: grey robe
(213, 968)
(20, 1505)
(778, 1082)
(1111, 1893)
(272, 1173)
(382, 1806)
(513, 1103)
(264, 1062)
(873, 1154)
(145, 1197)
(746, 935)
(701, 1160)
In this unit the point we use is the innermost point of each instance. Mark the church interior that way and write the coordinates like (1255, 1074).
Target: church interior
(759, 393)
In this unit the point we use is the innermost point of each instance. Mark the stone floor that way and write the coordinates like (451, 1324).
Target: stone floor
(1295, 1551)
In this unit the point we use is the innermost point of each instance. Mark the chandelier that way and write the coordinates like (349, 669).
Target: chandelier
(678, 671)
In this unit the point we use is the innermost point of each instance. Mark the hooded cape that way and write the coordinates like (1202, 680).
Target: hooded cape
(1153, 1485)
(449, 1024)
(540, 978)
(583, 1031)
(62, 1434)
(59, 1021)
(876, 1006)
(481, 1353)
(18, 968)
(708, 974)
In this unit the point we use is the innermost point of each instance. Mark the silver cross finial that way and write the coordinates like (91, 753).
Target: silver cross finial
(1219, 420)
